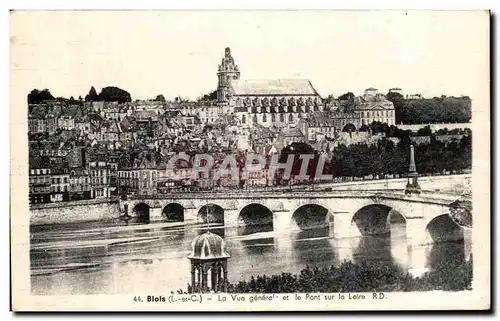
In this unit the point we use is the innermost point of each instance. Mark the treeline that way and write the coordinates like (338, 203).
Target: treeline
(433, 110)
(393, 131)
(366, 276)
(109, 94)
(386, 157)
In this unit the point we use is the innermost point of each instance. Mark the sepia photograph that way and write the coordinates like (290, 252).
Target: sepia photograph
(250, 160)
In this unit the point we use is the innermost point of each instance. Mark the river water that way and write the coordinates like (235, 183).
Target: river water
(117, 257)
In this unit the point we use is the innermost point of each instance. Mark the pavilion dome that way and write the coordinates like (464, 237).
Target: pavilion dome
(208, 246)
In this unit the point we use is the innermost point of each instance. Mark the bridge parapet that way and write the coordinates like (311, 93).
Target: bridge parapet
(438, 199)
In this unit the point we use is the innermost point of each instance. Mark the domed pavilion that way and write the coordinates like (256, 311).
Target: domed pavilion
(208, 263)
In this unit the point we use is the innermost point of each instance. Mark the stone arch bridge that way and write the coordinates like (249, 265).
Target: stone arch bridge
(345, 213)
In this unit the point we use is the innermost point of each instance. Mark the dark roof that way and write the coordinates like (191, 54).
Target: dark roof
(273, 87)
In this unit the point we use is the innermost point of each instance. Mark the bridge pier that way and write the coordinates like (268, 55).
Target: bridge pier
(191, 215)
(155, 213)
(415, 231)
(231, 218)
(282, 220)
(341, 225)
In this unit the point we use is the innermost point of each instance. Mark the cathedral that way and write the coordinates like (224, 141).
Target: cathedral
(271, 103)
(281, 103)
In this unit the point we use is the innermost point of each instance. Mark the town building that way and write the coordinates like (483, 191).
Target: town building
(59, 184)
(99, 178)
(373, 106)
(139, 179)
(80, 187)
(40, 181)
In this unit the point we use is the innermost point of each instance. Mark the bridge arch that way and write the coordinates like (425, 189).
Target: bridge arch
(255, 214)
(211, 213)
(312, 216)
(141, 210)
(443, 229)
(173, 212)
(375, 219)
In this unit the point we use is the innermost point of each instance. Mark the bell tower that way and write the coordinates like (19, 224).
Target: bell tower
(227, 71)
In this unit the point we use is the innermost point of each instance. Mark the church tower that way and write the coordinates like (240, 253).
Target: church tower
(227, 71)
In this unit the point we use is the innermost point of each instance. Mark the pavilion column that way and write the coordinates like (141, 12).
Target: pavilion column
(225, 277)
(213, 271)
(204, 279)
(219, 277)
(193, 277)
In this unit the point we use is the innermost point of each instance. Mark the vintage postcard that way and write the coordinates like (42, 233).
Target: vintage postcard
(250, 160)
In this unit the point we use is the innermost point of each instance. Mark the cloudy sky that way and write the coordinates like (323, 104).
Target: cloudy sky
(177, 52)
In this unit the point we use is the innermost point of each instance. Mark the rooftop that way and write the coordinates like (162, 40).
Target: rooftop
(208, 246)
(273, 87)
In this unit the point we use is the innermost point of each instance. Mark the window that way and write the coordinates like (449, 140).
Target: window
(264, 118)
(282, 118)
(290, 117)
(243, 119)
(273, 117)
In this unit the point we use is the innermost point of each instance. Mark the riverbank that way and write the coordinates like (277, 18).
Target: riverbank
(366, 276)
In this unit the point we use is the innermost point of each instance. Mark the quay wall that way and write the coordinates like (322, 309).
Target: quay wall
(73, 212)
(452, 184)
(435, 127)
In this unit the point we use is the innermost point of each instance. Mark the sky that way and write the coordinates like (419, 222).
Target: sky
(176, 53)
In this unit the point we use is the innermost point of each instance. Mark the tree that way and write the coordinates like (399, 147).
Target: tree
(160, 98)
(364, 128)
(39, 96)
(210, 96)
(398, 100)
(92, 95)
(424, 131)
(347, 96)
(114, 94)
(349, 128)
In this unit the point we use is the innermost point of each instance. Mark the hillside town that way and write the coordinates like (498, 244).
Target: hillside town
(91, 148)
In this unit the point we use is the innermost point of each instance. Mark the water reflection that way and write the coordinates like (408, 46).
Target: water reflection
(315, 246)
(124, 257)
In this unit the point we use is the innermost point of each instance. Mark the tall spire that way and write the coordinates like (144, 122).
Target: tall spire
(412, 187)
